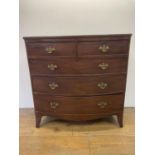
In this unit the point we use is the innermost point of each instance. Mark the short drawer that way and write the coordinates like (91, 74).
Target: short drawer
(103, 48)
(75, 86)
(79, 105)
(95, 65)
(51, 49)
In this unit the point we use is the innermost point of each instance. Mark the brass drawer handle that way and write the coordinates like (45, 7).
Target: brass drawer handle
(102, 104)
(104, 48)
(50, 50)
(103, 66)
(54, 105)
(53, 85)
(102, 85)
(52, 67)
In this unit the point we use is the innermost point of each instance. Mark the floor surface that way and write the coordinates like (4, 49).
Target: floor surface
(55, 137)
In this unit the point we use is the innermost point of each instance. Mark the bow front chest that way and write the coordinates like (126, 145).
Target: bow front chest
(78, 78)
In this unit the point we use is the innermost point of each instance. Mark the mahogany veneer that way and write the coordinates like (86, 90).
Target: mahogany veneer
(78, 78)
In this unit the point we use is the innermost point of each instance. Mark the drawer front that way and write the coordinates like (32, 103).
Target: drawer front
(77, 86)
(51, 49)
(82, 66)
(79, 105)
(102, 48)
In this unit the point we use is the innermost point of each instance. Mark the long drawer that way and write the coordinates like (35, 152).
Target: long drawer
(79, 105)
(78, 86)
(95, 65)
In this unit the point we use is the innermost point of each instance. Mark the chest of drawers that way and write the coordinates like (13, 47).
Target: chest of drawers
(78, 78)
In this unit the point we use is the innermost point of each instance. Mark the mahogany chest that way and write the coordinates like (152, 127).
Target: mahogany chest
(78, 78)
